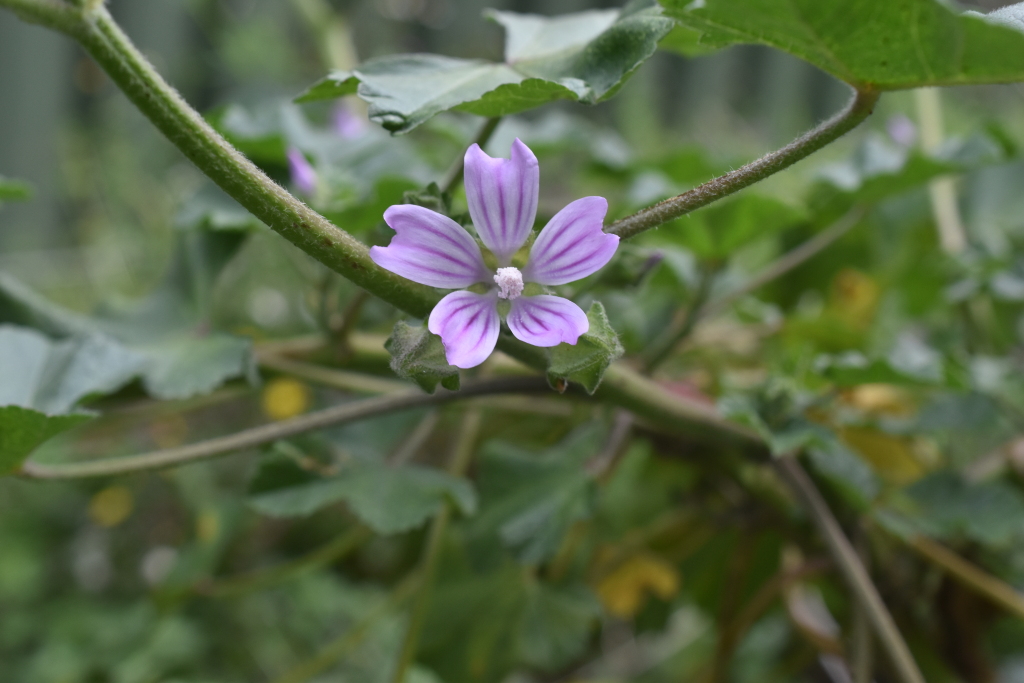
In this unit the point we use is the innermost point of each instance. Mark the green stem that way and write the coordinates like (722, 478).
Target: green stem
(454, 175)
(259, 579)
(264, 434)
(852, 569)
(330, 377)
(103, 39)
(681, 328)
(96, 31)
(859, 108)
(787, 261)
(469, 429)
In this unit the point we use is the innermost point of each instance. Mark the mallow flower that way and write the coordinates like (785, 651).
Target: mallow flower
(507, 280)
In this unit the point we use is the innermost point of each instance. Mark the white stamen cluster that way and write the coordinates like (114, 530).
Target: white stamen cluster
(510, 283)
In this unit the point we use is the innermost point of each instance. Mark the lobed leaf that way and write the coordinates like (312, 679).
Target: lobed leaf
(586, 361)
(870, 44)
(42, 381)
(389, 500)
(418, 355)
(583, 57)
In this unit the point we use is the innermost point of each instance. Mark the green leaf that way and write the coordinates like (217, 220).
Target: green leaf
(389, 500)
(719, 230)
(776, 412)
(481, 626)
(686, 41)
(418, 355)
(881, 44)
(530, 500)
(22, 430)
(586, 361)
(847, 472)
(41, 382)
(14, 190)
(948, 507)
(878, 169)
(910, 362)
(556, 625)
(583, 57)
(166, 329)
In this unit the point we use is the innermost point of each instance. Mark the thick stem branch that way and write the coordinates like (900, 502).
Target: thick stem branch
(103, 39)
(269, 433)
(852, 569)
(859, 108)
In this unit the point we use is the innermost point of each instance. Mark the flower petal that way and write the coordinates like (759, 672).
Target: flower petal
(502, 196)
(546, 320)
(430, 249)
(468, 324)
(572, 245)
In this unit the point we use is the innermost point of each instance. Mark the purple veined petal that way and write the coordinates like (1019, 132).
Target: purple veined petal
(546, 320)
(468, 324)
(502, 197)
(572, 245)
(302, 172)
(430, 249)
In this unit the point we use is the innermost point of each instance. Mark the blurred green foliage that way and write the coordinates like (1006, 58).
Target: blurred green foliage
(584, 545)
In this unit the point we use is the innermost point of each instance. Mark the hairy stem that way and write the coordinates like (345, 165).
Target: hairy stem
(103, 39)
(462, 454)
(852, 569)
(249, 438)
(859, 108)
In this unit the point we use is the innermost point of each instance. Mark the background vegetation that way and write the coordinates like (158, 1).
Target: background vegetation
(861, 311)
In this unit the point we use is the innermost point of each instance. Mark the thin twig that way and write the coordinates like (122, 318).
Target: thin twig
(603, 462)
(682, 326)
(787, 262)
(269, 433)
(259, 579)
(852, 568)
(862, 646)
(970, 575)
(462, 454)
(411, 444)
(330, 377)
(859, 108)
(453, 176)
(942, 190)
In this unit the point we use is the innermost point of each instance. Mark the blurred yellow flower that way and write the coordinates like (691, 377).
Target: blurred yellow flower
(284, 398)
(625, 590)
(111, 506)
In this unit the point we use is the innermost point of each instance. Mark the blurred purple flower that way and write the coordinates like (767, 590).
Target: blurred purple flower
(346, 123)
(901, 130)
(302, 172)
(434, 250)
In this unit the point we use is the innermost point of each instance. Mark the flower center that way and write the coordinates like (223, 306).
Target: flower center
(510, 282)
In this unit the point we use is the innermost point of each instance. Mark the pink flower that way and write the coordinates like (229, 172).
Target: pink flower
(434, 250)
